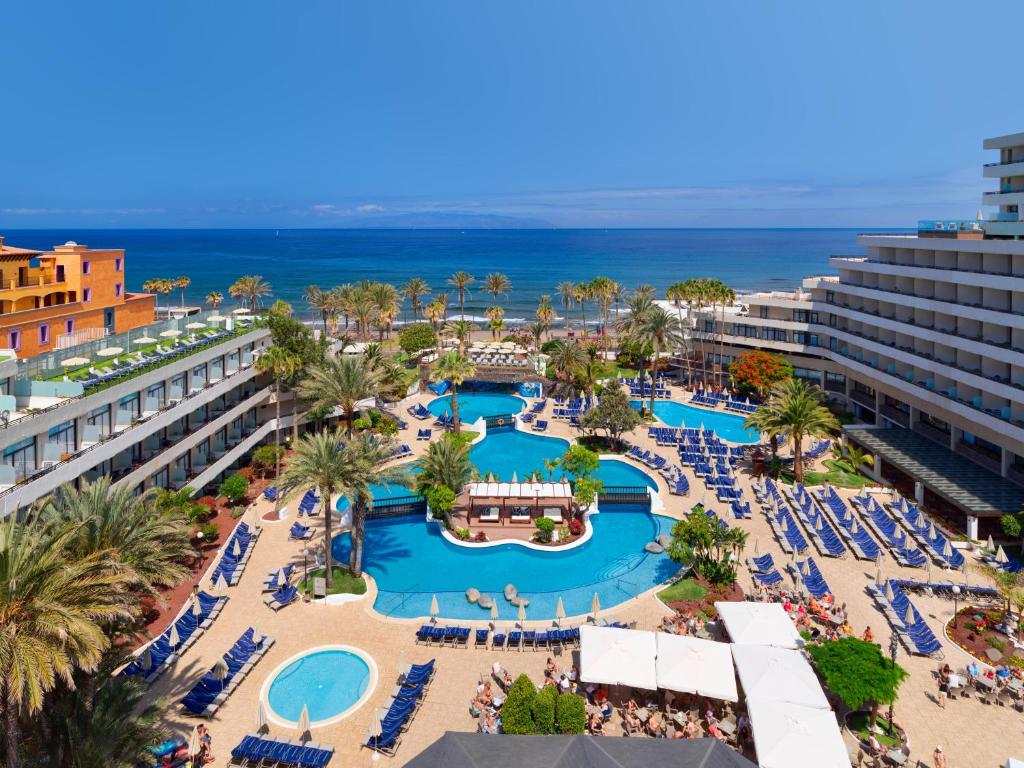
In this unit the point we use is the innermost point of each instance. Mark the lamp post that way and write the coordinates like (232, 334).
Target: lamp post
(305, 571)
(894, 647)
(956, 596)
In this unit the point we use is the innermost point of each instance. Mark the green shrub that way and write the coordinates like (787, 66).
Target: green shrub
(1011, 526)
(586, 490)
(570, 714)
(545, 527)
(265, 457)
(462, 533)
(441, 500)
(210, 532)
(235, 488)
(996, 643)
(362, 422)
(387, 427)
(544, 710)
(416, 336)
(1015, 661)
(517, 711)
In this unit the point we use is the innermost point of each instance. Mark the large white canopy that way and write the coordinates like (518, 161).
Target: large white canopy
(778, 675)
(759, 624)
(521, 490)
(792, 736)
(618, 657)
(692, 665)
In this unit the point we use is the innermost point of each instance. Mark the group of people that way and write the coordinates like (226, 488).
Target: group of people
(685, 623)
(486, 703)
(973, 673)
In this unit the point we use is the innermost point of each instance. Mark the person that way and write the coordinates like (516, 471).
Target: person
(475, 707)
(713, 731)
(939, 758)
(488, 724)
(973, 671)
(486, 696)
(564, 684)
(205, 754)
(709, 714)
(507, 681)
(606, 709)
(743, 727)
(632, 721)
(944, 674)
(690, 729)
(550, 667)
(654, 724)
(869, 636)
(596, 725)
(874, 745)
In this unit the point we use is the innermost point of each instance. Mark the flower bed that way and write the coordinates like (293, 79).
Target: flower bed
(975, 632)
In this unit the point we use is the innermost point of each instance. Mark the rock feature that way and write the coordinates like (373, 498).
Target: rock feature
(472, 594)
(511, 592)
(517, 601)
(485, 601)
(654, 548)
(665, 540)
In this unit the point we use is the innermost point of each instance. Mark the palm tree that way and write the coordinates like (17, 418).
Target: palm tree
(341, 381)
(385, 300)
(601, 289)
(319, 460)
(281, 364)
(696, 294)
(580, 294)
(181, 283)
(320, 301)
(496, 316)
(442, 299)
(646, 290)
(456, 369)
(343, 296)
(798, 407)
(446, 463)
(545, 313)
(461, 281)
(250, 289)
(415, 288)
(366, 458)
(537, 330)
(766, 420)
(119, 731)
(51, 610)
(663, 332)
(460, 330)
(725, 297)
(567, 293)
(165, 286)
(434, 311)
(676, 293)
(363, 311)
(628, 325)
(214, 299)
(497, 285)
(566, 358)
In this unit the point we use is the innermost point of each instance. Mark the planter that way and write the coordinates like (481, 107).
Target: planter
(898, 731)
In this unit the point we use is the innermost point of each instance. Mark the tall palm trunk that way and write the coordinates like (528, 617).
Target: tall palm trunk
(350, 418)
(277, 441)
(583, 317)
(721, 350)
(12, 737)
(686, 352)
(355, 562)
(654, 374)
(703, 350)
(798, 457)
(325, 499)
(456, 422)
(295, 417)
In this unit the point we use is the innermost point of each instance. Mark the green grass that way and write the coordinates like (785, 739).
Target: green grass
(838, 474)
(859, 725)
(686, 589)
(344, 582)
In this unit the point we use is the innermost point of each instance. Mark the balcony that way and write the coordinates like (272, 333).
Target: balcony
(970, 229)
(981, 278)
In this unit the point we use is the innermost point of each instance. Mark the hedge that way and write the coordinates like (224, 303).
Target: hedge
(571, 713)
(517, 711)
(544, 710)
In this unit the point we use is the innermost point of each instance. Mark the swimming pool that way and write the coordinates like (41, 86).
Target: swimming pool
(727, 426)
(473, 405)
(330, 682)
(411, 562)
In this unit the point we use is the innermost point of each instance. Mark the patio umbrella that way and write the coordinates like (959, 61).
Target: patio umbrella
(878, 559)
(74, 362)
(376, 729)
(261, 717)
(241, 311)
(928, 570)
(1001, 555)
(236, 549)
(197, 609)
(494, 611)
(173, 637)
(879, 578)
(144, 340)
(818, 525)
(110, 351)
(220, 671)
(171, 333)
(257, 636)
(194, 745)
(559, 610)
(216, 319)
(947, 551)
(990, 544)
(219, 584)
(888, 592)
(522, 612)
(146, 660)
(434, 611)
(595, 605)
(757, 547)
(908, 618)
(303, 723)
(195, 326)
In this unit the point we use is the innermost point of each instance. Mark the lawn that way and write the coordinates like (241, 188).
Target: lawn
(887, 737)
(344, 582)
(685, 589)
(838, 474)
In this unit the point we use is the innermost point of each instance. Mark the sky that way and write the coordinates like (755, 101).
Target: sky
(576, 113)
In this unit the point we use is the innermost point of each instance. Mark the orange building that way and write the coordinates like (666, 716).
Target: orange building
(56, 299)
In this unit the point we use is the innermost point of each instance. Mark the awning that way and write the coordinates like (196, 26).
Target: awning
(692, 665)
(759, 624)
(792, 736)
(779, 675)
(521, 490)
(618, 657)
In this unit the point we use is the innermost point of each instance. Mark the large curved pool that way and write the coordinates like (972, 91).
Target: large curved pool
(329, 682)
(411, 562)
(727, 426)
(474, 405)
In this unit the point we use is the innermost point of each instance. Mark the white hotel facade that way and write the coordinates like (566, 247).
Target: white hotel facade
(923, 336)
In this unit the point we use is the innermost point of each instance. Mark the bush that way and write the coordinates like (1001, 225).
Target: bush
(462, 533)
(210, 532)
(586, 490)
(544, 710)
(575, 527)
(207, 501)
(235, 488)
(517, 711)
(441, 500)
(1011, 526)
(416, 336)
(545, 527)
(363, 422)
(265, 457)
(387, 427)
(548, 346)
(570, 714)
(579, 461)
(247, 473)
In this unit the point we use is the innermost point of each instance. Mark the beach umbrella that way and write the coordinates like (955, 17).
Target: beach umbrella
(947, 550)
(241, 311)
(257, 636)
(434, 610)
(144, 340)
(908, 618)
(74, 362)
(195, 326)
(818, 525)
(757, 546)
(878, 559)
(197, 609)
(173, 637)
(219, 584)
(236, 549)
(990, 544)
(522, 612)
(146, 659)
(170, 334)
(194, 744)
(888, 592)
(928, 570)
(494, 611)
(216, 318)
(559, 610)
(1001, 555)
(376, 728)
(110, 351)
(595, 605)
(303, 723)
(220, 671)
(879, 578)
(261, 717)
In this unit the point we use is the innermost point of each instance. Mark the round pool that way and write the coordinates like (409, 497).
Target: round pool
(473, 405)
(331, 681)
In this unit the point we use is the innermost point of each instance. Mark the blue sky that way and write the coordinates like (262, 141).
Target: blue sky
(587, 114)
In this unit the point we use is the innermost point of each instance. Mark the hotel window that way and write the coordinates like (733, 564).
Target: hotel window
(86, 295)
(131, 403)
(22, 456)
(100, 418)
(763, 311)
(44, 334)
(14, 340)
(69, 326)
(830, 297)
(118, 264)
(117, 290)
(86, 267)
(64, 436)
(775, 334)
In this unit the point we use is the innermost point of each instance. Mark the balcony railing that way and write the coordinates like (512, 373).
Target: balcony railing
(863, 259)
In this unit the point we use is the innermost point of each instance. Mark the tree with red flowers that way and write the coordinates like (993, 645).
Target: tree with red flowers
(756, 372)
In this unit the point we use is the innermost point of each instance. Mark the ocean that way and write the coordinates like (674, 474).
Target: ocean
(534, 260)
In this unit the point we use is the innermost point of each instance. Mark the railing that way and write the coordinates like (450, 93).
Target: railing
(950, 225)
(397, 506)
(500, 420)
(624, 494)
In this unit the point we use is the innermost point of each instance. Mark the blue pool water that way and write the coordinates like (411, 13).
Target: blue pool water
(327, 682)
(727, 426)
(473, 405)
(411, 561)
(505, 451)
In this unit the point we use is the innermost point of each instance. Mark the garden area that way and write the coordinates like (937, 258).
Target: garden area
(344, 582)
(974, 630)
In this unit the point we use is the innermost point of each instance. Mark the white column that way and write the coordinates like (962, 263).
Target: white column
(972, 528)
(919, 492)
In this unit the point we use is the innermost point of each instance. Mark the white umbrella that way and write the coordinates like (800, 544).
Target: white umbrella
(303, 723)
(146, 659)
(522, 612)
(194, 744)
(110, 351)
(757, 546)
(220, 671)
(879, 578)
(1001, 555)
(888, 592)
(908, 617)
(173, 637)
(947, 550)
(818, 525)
(236, 549)
(376, 729)
(595, 605)
(261, 717)
(494, 611)
(928, 570)
(241, 311)
(144, 340)
(559, 610)
(197, 609)
(990, 544)
(257, 636)
(74, 362)
(171, 333)
(216, 319)
(219, 584)
(434, 610)
(195, 326)
(878, 559)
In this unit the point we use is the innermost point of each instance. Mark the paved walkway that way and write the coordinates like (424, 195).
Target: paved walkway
(971, 734)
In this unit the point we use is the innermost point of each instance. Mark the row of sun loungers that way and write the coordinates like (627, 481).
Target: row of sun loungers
(118, 368)
(157, 657)
(405, 701)
(268, 751)
(740, 406)
(818, 450)
(820, 530)
(652, 460)
(905, 619)
(236, 555)
(927, 534)
(402, 451)
(539, 406)
(213, 689)
(451, 636)
(418, 411)
(811, 577)
(707, 399)
(781, 521)
(763, 569)
(889, 532)
(529, 639)
(857, 538)
(424, 434)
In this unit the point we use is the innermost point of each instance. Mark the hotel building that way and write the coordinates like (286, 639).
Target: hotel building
(922, 340)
